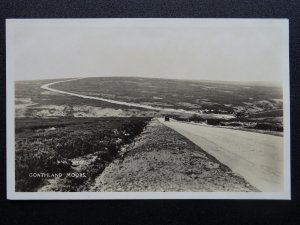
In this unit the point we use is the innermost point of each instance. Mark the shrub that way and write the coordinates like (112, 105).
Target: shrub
(268, 126)
(214, 121)
(196, 118)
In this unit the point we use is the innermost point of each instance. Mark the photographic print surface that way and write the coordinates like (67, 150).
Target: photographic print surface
(148, 108)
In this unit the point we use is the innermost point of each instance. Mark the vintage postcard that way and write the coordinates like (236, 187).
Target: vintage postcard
(148, 109)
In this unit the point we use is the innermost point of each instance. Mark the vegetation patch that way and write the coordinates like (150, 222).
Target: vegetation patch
(72, 150)
(206, 96)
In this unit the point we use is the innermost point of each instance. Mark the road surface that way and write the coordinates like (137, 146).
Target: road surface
(256, 157)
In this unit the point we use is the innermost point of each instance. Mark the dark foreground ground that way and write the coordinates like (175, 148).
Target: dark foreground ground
(82, 147)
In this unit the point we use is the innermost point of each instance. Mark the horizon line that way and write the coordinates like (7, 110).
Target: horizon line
(278, 83)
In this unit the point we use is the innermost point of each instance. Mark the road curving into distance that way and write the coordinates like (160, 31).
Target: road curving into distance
(256, 157)
(48, 88)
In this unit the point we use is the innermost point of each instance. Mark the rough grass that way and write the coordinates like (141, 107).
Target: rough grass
(43, 150)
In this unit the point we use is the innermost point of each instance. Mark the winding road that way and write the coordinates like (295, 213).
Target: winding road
(48, 88)
(256, 157)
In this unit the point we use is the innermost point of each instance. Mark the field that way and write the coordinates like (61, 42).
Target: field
(69, 145)
(253, 105)
(255, 100)
(203, 96)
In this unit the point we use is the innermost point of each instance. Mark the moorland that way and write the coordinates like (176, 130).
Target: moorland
(64, 133)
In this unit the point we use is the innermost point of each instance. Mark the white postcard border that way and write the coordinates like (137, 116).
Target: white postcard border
(10, 134)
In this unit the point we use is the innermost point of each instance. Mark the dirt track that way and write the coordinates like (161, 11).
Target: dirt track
(163, 160)
(256, 157)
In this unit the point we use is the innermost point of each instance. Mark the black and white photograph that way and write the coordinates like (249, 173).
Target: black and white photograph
(148, 109)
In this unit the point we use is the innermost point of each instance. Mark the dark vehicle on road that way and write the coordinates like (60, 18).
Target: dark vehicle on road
(167, 118)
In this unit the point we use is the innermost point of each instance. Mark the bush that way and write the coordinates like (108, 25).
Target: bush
(196, 118)
(214, 121)
(268, 126)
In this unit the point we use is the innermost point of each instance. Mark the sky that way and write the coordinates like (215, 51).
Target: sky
(197, 49)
